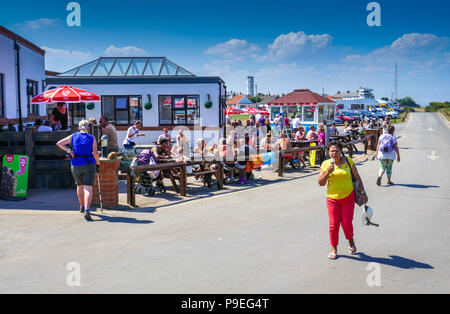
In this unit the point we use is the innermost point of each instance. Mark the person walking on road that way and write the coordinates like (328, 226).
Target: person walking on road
(337, 172)
(85, 157)
(387, 152)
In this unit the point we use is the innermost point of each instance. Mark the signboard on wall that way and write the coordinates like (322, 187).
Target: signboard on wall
(14, 177)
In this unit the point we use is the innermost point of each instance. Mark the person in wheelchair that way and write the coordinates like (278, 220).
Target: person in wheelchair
(151, 157)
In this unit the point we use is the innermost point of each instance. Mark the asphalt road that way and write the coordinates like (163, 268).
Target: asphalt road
(268, 239)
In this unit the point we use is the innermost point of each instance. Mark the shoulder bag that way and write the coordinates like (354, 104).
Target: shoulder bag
(356, 183)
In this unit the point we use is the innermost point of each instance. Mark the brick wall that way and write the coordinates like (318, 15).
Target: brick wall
(109, 182)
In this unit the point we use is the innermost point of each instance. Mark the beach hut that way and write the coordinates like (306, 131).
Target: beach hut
(311, 107)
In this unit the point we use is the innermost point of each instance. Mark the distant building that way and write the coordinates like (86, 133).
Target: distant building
(251, 86)
(266, 100)
(239, 101)
(20, 59)
(310, 107)
(362, 99)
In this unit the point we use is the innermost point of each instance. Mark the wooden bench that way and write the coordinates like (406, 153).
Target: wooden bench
(181, 176)
(281, 153)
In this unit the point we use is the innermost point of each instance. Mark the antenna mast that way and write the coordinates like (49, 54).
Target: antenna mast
(396, 82)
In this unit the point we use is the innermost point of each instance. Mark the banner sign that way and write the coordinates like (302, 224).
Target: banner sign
(14, 177)
(312, 156)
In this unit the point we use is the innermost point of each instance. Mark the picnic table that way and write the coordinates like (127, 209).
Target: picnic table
(303, 143)
(146, 146)
(344, 138)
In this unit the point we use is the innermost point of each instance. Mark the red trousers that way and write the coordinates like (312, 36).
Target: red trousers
(340, 212)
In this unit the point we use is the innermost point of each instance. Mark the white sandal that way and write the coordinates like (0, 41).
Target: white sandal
(352, 250)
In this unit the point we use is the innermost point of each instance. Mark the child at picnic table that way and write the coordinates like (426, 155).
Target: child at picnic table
(333, 129)
(266, 142)
(312, 135)
(300, 135)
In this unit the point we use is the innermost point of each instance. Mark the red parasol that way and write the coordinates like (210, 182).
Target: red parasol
(232, 111)
(65, 94)
(251, 110)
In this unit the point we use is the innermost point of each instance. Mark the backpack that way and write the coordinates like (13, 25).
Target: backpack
(387, 143)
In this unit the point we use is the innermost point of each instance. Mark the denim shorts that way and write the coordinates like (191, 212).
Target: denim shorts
(84, 174)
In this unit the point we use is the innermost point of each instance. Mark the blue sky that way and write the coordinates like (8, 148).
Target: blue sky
(285, 44)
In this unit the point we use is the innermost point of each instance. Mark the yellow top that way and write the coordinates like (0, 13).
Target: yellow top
(340, 183)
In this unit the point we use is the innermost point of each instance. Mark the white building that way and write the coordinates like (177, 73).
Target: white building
(362, 99)
(20, 60)
(152, 89)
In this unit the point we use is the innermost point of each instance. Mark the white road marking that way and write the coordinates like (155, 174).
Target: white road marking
(433, 155)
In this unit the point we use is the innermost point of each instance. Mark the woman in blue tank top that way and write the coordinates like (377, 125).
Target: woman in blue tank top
(85, 157)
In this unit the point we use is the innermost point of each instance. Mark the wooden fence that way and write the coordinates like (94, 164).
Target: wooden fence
(49, 166)
(321, 151)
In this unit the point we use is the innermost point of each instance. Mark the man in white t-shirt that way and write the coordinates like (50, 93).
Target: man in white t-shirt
(295, 123)
(165, 135)
(132, 134)
(45, 127)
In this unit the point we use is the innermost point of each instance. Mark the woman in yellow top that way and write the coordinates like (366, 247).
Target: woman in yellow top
(340, 195)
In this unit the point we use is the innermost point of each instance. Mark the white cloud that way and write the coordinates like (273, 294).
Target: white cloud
(417, 41)
(234, 50)
(61, 60)
(39, 23)
(293, 44)
(66, 54)
(409, 48)
(129, 51)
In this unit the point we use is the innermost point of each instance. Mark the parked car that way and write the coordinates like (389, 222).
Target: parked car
(352, 113)
(347, 116)
(392, 114)
(367, 114)
(379, 113)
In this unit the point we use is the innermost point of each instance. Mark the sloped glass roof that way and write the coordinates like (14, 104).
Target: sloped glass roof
(128, 67)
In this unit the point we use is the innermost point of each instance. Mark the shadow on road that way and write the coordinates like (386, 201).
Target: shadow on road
(417, 186)
(120, 219)
(198, 192)
(394, 260)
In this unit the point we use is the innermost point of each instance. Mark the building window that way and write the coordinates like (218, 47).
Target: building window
(179, 110)
(2, 97)
(357, 107)
(77, 112)
(122, 110)
(32, 90)
(308, 115)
